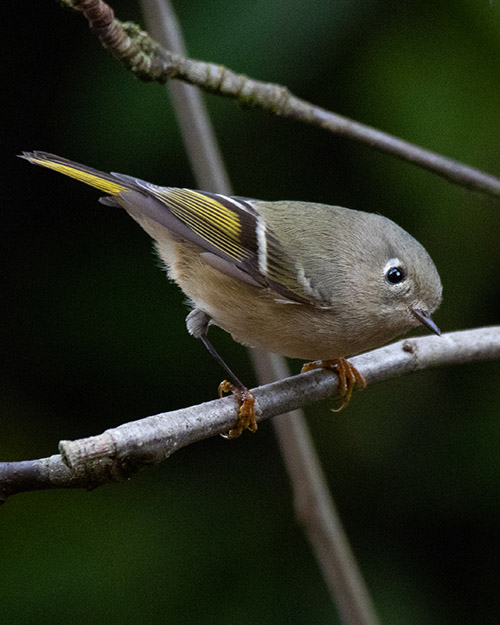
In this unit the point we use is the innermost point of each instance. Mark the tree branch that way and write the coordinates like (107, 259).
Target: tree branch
(152, 62)
(118, 453)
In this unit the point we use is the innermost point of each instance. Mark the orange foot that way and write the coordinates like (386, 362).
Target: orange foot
(349, 377)
(246, 412)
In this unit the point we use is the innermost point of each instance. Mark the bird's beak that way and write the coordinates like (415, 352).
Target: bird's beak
(425, 318)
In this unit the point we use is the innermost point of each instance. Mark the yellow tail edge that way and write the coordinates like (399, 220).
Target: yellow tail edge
(98, 179)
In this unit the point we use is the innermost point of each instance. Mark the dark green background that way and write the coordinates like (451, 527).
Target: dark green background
(93, 335)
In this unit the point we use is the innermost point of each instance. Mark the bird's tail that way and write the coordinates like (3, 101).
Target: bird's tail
(109, 183)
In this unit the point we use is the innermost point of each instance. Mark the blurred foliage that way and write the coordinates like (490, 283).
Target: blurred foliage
(93, 335)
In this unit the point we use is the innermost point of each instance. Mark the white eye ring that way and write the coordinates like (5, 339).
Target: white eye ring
(393, 272)
(392, 262)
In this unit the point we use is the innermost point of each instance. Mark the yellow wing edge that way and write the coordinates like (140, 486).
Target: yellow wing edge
(87, 175)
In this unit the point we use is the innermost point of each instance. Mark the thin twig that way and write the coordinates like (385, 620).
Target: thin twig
(118, 453)
(153, 62)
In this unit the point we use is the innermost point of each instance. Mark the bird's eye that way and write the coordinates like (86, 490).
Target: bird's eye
(395, 275)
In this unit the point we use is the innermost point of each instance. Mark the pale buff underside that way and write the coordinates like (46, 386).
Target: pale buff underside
(253, 317)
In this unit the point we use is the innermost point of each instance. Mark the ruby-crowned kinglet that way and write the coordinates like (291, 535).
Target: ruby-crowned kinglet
(303, 280)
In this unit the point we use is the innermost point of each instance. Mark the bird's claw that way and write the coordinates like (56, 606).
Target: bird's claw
(349, 377)
(246, 411)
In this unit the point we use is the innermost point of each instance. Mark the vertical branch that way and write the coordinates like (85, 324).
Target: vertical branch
(313, 503)
(314, 506)
(196, 129)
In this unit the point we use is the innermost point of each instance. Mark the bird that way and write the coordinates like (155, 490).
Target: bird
(305, 280)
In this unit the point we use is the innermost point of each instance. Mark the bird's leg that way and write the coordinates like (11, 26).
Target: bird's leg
(197, 323)
(349, 377)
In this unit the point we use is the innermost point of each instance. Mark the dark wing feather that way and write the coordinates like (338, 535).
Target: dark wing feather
(229, 228)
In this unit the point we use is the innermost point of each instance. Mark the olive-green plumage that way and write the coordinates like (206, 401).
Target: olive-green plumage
(304, 280)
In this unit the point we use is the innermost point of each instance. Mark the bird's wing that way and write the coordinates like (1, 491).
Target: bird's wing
(229, 230)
